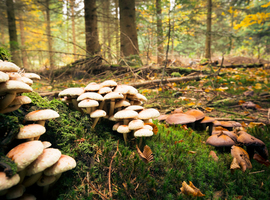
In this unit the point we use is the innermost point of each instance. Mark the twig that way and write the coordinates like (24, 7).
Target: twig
(268, 115)
(257, 172)
(95, 189)
(110, 170)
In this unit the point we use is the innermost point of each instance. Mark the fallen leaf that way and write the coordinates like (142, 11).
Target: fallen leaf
(190, 189)
(261, 160)
(146, 155)
(208, 109)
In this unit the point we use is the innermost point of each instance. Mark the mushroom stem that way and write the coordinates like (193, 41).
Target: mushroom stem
(95, 122)
(10, 109)
(101, 105)
(41, 122)
(111, 107)
(140, 143)
(75, 104)
(7, 100)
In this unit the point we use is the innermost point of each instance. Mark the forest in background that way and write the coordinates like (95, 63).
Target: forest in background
(48, 34)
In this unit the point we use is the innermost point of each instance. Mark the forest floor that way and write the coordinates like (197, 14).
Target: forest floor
(240, 91)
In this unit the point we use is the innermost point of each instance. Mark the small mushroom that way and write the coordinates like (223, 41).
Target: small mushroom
(31, 131)
(142, 133)
(97, 114)
(242, 157)
(219, 141)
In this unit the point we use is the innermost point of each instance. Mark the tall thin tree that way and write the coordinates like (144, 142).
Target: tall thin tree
(13, 40)
(159, 32)
(128, 35)
(91, 28)
(208, 30)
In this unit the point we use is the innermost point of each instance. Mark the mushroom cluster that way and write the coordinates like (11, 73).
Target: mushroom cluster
(119, 103)
(224, 135)
(37, 163)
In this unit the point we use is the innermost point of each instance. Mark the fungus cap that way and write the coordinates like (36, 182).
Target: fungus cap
(98, 113)
(24, 154)
(3, 77)
(109, 83)
(20, 100)
(8, 67)
(86, 103)
(15, 192)
(49, 157)
(196, 113)
(72, 92)
(122, 103)
(65, 163)
(31, 131)
(92, 87)
(90, 95)
(123, 129)
(105, 90)
(14, 86)
(135, 124)
(6, 182)
(38, 115)
(180, 118)
(32, 76)
(249, 140)
(220, 140)
(207, 119)
(143, 133)
(242, 157)
(113, 95)
(125, 114)
(149, 113)
(134, 107)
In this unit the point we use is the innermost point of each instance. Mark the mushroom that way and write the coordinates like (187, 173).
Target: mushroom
(219, 141)
(148, 114)
(112, 96)
(3, 77)
(16, 104)
(121, 104)
(32, 76)
(126, 115)
(31, 131)
(124, 130)
(15, 192)
(180, 118)
(142, 133)
(199, 115)
(25, 153)
(49, 157)
(109, 83)
(6, 182)
(40, 116)
(6, 66)
(137, 108)
(9, 90)
(92, 87)
(92, 96)
(89, 104)
(73, 93)
(252, 144)
(242, 157)
(207, 121)
(97, 114)
(103, 91)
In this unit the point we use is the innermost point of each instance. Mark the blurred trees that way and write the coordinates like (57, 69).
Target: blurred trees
(116, 29)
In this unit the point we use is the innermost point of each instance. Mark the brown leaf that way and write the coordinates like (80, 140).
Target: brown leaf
(190, 189)
(146, 155)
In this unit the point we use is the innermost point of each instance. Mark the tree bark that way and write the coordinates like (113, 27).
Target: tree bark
(14, 46)
(129, 40)
(24, 55)
(208, 30)
(117, 30)
(91, 29)
(159, 32)
(72, 2)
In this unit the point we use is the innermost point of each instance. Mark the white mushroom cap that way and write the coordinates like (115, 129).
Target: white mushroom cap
(6, 182)
(135, 107)
(31, 131)
(148, 127)
(92, 87)
(123, 129)
(123, 89)
(90, 95)
(149, 113)
(121, 103)
(45, 180)
(126, 114)
(46, 144)
(49, 157)
(109, 83)
(143, 133)
(98, 113)
(86, 103)
(65, 163)
(38, 115)
(115, 126)
(24, 154)
(138, 97)
(105, 90)
(135, 124)
(72, 92)
(14, 86)
(113, 95)
(8, 67)
(20, 100)
(15, 192)
(3, 77)
(32, 76)
(26, 80)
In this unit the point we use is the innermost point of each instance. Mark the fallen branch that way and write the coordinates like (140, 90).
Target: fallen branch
(178, 79)
(241, 119)
(110, 170)
(257, 172)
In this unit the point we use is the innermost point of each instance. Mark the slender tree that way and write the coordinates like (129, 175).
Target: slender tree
(91, 29)
(159, 32)
(208, 30)
(22, 36)
(13, 40)
(72, 2)
(48, 32)
(128, 37)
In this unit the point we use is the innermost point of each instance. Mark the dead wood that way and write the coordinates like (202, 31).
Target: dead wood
(242, 119)
(168, 80)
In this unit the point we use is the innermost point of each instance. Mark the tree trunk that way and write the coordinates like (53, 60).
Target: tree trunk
(73, 27)
(129, 40)
(117, 30)
(91, 29)
(24, 55)
(159, 32)
(49, 39)
(14, 46)
(208, 30)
